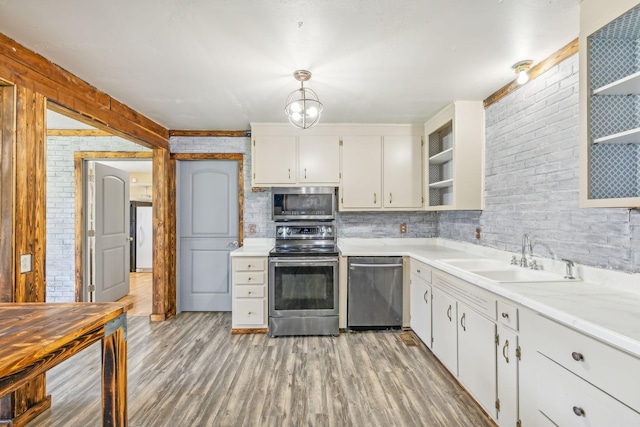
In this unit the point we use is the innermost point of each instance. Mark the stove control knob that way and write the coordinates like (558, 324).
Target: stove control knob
(329, 230)
(287, 231)
(323, 230)
(280, 231)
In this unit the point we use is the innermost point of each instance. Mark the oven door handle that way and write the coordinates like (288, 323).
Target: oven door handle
(351, 266)
(303, 261)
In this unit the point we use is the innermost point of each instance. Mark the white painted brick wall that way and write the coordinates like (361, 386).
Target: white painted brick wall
(60, 263)
(531, 182)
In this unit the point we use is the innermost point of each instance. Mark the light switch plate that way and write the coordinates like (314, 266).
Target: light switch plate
(25, 263)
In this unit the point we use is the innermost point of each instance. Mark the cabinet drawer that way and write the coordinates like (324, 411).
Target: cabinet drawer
(249, 264)
(243, 278)
(248, 291)
(480, 300)
(612, 370)
(508, 315)
(421, 270)
(249, 311)
(568, 400)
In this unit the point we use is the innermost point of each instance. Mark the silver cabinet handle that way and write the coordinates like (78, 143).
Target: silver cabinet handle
(234, 244)
(390, 198)
(305, 173)
(425, 297)
(462, 323)
(375, 199)
(449, 312)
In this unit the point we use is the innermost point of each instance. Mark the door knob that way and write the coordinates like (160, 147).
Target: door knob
(129, 239)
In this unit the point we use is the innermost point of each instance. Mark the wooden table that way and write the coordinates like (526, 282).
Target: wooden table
(35, 337)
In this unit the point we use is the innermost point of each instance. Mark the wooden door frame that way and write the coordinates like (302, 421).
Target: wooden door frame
(78, 161)
(7, 144)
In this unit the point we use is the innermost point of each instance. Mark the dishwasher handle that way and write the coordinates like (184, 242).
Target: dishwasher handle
(351, 266)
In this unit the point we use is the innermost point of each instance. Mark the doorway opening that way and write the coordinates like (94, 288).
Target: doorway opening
(69, 142)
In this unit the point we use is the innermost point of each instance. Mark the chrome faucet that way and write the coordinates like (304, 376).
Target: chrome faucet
(569, 274)
(526, 246)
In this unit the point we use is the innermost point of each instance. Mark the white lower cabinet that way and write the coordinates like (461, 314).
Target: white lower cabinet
(420, 301)
(508, 364)
(568, 400)
(507, 373)
(444, 330)
(249, 293)
(477, 356)
(464, 335)
(523, 368)
(581, 381)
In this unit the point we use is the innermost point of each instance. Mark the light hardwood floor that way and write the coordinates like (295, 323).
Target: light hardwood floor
(191, 371)
(140, 289)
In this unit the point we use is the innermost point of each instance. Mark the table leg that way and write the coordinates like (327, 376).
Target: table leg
(114, 373)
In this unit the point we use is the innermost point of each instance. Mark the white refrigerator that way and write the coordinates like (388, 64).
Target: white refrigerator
(144, 238)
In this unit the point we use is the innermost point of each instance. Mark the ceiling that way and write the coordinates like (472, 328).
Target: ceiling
(222, 64)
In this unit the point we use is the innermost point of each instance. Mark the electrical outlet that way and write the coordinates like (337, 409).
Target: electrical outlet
(252, 229)
(403, 228)
(25, 263)
(478, 233)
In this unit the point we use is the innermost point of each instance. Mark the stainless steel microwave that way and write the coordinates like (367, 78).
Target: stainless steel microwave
(303, 203)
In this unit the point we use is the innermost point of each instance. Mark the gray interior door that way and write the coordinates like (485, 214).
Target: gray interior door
(108, 214)
(208, 231)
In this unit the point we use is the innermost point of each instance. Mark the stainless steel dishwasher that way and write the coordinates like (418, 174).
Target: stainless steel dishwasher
(374, 296)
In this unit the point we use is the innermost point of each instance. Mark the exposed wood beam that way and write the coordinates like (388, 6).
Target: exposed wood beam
(215, 133)
(77, 132)
(538, 69)
(22, 66)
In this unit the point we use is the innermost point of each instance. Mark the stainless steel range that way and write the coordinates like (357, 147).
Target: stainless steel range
(303, 280)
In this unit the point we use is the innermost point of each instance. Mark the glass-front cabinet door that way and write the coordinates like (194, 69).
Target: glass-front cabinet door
(610, 103)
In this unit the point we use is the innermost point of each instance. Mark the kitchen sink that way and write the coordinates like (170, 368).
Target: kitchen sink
(501, 271)
(517, 274)
(477, 264)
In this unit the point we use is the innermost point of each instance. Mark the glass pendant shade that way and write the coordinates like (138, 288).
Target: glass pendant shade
(303, 107)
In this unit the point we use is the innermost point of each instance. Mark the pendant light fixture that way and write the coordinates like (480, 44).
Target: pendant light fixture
(303, 107)
(522, 70)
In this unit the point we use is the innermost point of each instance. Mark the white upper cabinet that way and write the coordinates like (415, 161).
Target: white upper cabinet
(361, 173)
(402, 172)
(609, 102)
(319, 160)
(381, 172)
(454, 157)
(376, 166)
(284, 156)
(274, 160)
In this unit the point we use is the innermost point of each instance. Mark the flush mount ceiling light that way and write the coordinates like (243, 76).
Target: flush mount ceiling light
(522, 70)
(303, 107)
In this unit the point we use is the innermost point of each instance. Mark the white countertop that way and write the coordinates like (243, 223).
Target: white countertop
(254, 247)
(605, 304)
(609, 313)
